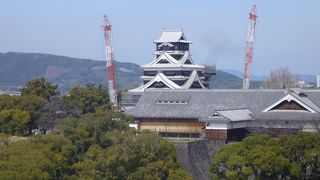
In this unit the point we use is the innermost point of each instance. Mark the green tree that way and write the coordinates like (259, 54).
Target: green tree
(95, 145)
(30, 104)
(40, 87)
(258, 156)
(43, 157)
(304, 150)
(88, 98)
(14, 121)
(90, 129)
(131, 156)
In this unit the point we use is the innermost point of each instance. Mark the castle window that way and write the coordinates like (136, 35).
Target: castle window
(188, 61)
(185, 73)
(149, 73)
(163, 61)
(158, 85)
(195, 85)
(170, 73)
(179, 82)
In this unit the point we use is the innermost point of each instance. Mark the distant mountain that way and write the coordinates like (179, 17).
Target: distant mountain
(225, 80)
(240, 75)
(18, 68)
(303, 77)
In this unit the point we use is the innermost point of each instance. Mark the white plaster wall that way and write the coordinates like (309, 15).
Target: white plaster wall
(133, 125)
(235, 125)
(217, 126)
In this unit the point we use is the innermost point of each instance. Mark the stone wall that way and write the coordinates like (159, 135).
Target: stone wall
(196, 157)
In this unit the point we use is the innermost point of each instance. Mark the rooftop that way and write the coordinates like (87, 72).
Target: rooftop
(172, 36)
(202, 103)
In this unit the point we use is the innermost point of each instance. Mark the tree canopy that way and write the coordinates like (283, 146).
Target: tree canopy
(88, 98)
(18, 113)
(40, 87)
(280, 78)
(14, 121)
(261, 157)
(97, 145)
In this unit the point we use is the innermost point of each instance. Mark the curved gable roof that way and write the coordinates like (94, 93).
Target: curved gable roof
(172, 36)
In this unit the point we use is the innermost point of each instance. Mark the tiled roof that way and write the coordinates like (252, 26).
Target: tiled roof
(172, 36)
(203, 103)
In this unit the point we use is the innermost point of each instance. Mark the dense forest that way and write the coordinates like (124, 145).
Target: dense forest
(88, 141)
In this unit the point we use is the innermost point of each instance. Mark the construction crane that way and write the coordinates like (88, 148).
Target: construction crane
(110, 63)
(249, 50)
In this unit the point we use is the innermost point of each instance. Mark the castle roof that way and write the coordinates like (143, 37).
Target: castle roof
(172, 36)
(160, 77)
(202, 104)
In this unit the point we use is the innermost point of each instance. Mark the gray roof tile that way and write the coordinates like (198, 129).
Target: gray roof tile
(203, 103)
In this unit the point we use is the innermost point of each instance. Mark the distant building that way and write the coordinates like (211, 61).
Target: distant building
(10, 90)
(318, 81)
(226, 115)
(173, 67)
(302, 84)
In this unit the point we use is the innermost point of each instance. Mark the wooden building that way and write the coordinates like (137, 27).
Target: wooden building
(226, 115)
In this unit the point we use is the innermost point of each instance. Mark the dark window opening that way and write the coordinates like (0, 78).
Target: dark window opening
(163, 61)
(171, 73)
(180, 46)
(185, 73)
(199, 73)
(179, 82)
(188, 61)
(177, 57)
(150, 73)
(195, 85)
(158, 85)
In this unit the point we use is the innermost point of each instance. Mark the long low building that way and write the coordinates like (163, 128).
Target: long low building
(226, 115)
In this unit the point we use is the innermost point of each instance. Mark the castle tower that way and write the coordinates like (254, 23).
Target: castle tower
(173, 67)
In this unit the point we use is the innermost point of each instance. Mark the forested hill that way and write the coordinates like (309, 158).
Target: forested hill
(18, 68)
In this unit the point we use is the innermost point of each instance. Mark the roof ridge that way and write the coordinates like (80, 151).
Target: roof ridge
(172, 30)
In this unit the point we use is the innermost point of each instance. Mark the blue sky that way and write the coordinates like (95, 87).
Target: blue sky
(288, 31)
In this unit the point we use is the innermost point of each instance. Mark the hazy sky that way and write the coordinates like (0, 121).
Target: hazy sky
(288, 31)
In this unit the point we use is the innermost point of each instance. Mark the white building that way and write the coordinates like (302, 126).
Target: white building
(318, 81)
(173, 67)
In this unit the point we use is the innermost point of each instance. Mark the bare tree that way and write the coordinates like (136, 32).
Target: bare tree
(279, 79)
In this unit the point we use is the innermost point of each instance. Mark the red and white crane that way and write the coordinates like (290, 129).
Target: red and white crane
(250, 37)
(110, 63)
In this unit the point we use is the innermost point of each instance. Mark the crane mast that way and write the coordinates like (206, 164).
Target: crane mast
(110, 63)
(249, 47)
